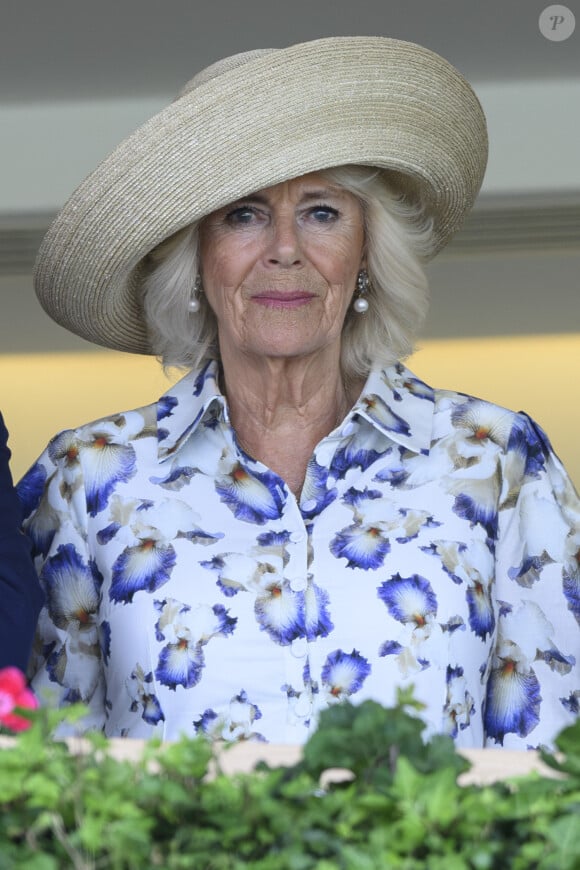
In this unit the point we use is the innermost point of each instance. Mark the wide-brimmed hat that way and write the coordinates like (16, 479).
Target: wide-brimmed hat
(246, 123)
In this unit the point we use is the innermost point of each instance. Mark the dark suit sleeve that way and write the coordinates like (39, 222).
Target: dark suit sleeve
(20, 594)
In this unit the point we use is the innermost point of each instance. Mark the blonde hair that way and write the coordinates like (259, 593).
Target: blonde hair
(398, 241)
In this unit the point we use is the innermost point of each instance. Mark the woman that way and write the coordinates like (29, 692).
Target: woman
(20, 595)
(299, 520)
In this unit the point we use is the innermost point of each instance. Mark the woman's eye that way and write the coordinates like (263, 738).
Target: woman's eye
(324, 213)
(243, 214)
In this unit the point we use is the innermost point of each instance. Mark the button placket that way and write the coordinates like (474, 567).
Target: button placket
(296, 573)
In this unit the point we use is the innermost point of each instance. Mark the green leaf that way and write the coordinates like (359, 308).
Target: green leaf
(403, 808)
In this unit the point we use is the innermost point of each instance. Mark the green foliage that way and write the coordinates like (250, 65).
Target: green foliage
(401, 808)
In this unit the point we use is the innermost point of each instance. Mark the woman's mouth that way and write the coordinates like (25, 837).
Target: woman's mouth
(290, 299)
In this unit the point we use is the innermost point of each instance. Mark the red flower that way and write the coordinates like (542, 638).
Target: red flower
(14, 693)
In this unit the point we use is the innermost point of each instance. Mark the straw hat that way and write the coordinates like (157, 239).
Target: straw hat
(245, 123)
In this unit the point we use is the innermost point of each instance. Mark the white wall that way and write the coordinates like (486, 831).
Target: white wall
(534, 133)
(48, 148)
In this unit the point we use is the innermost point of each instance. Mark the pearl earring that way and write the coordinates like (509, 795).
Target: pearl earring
(193, 305)
(363, 284)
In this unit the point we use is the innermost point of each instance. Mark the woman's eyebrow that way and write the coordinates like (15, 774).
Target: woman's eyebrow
(248, 200)
(307, 196)
(321, 193)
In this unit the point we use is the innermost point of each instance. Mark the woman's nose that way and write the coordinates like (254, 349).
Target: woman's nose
(284, 247)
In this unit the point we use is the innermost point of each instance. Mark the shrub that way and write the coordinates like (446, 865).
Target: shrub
(402, 807)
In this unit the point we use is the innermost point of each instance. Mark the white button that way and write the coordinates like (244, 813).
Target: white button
(298, 584)
(297, 537)
(309, 504)
(299, 647)
(348, 429)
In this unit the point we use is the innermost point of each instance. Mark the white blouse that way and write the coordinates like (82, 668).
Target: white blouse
(436, 543)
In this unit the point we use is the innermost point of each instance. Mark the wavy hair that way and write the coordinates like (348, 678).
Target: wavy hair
(398, 238)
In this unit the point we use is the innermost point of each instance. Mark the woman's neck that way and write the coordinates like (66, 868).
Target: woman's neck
(280, 409)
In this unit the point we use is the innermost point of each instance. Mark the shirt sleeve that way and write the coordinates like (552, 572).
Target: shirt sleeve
(20, 595)
(66, 663)
(533, 680)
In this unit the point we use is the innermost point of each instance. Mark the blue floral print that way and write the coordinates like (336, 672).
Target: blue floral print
(409, 599)
(377, 410)
(459, 705)
(140, 686)
(279, 611)
(105, 463)
(436, 544)
(572, 591)
(73, 588)
(145, 566)
(513, 702)
(252, 496)
(362, 546)
(343, 674)
(236, 724)
(188, 629)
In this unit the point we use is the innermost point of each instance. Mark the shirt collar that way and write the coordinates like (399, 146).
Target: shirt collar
(393, 400)
(181, 408)
(400, 405)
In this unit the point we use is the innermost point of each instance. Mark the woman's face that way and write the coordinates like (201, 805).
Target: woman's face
(279, 267)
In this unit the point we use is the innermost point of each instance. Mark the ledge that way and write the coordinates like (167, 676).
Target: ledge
(488, 765)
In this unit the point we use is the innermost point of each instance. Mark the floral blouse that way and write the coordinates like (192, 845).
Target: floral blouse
(436, 543)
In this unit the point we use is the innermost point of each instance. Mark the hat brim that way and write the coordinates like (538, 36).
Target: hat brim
(344, 100)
